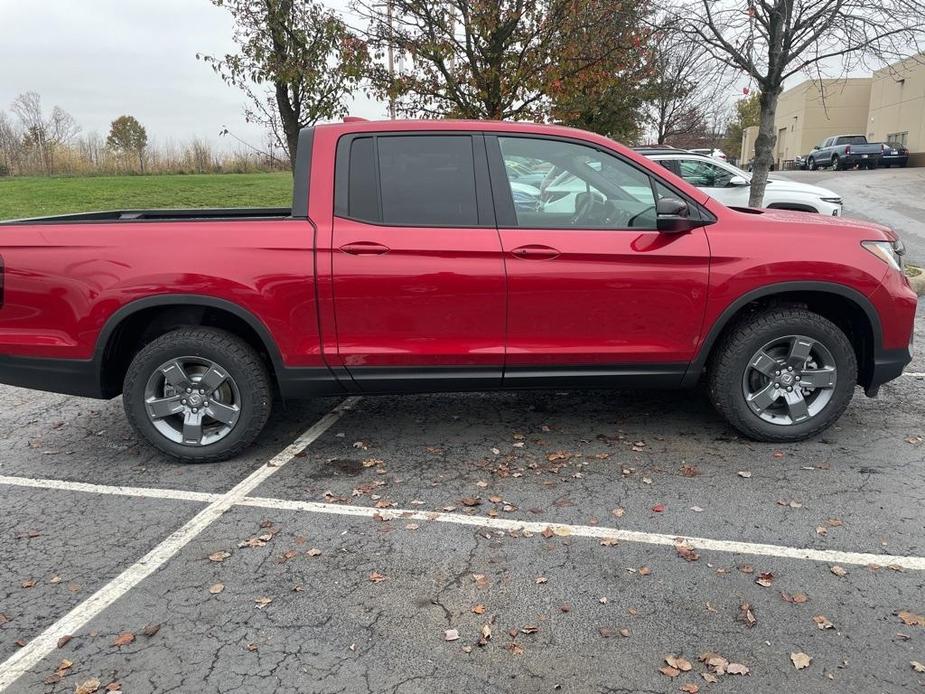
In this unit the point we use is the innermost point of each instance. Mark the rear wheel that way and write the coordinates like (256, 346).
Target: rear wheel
(783, 375)
(836, 164)
(198, 394)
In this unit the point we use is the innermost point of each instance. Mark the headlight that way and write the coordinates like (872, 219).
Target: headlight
(890, 252)
(833, 201)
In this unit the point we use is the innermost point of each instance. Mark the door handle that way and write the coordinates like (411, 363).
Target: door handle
(365, 248)
(535, 252)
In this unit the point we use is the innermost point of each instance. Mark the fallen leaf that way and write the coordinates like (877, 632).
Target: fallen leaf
(481, 581)
(262, 601)
(914, 440)
(313, 552)
(114, 687)
(745, 473)
(737, 669)
(696, 509)
(678, 663)
(644, 571)
(658, 508)
(800, 660)
(28, 583)
(486, 631)
(124, 639)
(62, 642)
(796, 598)
(917, 666)
(765, 580)
(450, 635)
(547, 532)
(88, 687)
(562, 531)
(219, 556)
(690, 688)
(609, 542)
(618, 512)
(646, 480)
(687, 553)
(606, 632)
(838, 570)
(709, 677)
(822, 530)
(515, 648)
(746, 568)
(479, 609)
(541, 579)
(669, 671)
(377, 577)
(689, 470)
(216, 588)
(624, 633)
(822, 622)
(913, 620)
(470, 501)
(151, 629)
(746, 616)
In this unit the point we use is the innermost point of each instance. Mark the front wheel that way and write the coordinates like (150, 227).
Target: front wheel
(198, 394)
(783, 375)
(812, 164)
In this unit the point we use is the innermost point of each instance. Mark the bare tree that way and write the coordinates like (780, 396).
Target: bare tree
(772, 40)
(44, 134)
(10, 145)
(687, 84)
(493, 59)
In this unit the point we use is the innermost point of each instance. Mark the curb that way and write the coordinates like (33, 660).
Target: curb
(917, 282)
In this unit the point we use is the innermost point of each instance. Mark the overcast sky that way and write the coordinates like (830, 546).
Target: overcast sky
(99, 59)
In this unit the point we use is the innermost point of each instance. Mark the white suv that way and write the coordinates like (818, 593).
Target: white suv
(730, 185)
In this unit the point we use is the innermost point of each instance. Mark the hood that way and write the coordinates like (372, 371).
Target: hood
(804, 218)
(784, 185)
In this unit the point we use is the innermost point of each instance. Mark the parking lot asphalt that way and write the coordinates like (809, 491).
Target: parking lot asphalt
(560, 541)
(886, 196)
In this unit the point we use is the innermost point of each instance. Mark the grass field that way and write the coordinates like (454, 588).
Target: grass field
(37, 196)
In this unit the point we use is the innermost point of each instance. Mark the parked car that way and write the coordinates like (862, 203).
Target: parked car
(731, 185)
(405, 265)
(893, 153)
(844, 151)
(715, 153)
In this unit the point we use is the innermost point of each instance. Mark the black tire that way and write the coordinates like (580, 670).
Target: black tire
(812, 164)
(731, 359)
(244, 367)
(836, 163)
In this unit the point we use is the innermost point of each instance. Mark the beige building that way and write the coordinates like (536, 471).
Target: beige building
(897, 106)
(888, 106)
(806, 115)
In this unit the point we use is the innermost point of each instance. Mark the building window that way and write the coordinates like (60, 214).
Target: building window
(899, 138)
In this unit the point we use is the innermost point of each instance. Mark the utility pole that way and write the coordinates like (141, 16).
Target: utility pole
(391, 59)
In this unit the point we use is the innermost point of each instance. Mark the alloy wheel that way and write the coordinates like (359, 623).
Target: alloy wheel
(192, 401)
(790, 380)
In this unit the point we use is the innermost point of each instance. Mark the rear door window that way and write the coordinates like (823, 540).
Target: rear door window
(427, 180)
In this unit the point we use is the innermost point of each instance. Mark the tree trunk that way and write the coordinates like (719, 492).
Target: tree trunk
(764, 146)
(290, 121)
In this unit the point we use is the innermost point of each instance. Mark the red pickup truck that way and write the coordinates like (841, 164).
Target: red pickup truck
(425, 256)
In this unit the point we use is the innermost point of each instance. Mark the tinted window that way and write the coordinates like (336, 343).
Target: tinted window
(427, 180)
(852, 140)
(704, 174)
(559, 185)
(362, 190)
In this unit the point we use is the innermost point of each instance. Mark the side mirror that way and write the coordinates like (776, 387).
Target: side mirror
(815, 147)
(738, 181)
(673, 216)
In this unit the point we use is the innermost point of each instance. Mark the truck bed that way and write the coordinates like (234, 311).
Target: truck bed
(186, 215)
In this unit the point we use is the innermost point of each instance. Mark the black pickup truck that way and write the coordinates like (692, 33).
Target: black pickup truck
(843, 152)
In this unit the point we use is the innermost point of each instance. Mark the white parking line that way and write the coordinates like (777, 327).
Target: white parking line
(33, 652)
(564, 529)
(914, 374)
(150, 492)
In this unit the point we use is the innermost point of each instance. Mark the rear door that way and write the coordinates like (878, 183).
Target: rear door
(418, 277)
(595, 294)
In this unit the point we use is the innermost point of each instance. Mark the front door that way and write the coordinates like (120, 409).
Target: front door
(714, 179)
(595, 293)
(418, 277)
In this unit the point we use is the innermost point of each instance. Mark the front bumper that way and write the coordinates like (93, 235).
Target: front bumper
(888, 364)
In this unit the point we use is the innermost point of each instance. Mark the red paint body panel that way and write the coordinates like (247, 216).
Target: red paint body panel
(439, 297)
